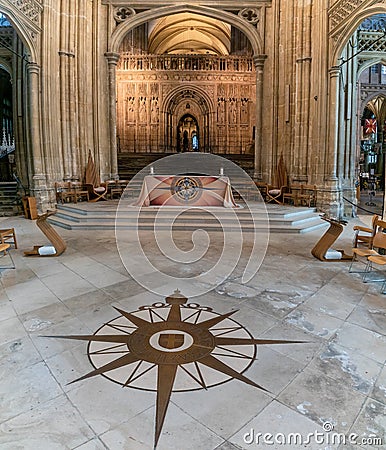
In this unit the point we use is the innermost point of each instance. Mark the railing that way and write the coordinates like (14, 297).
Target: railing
(371, 41)
(7, 144)
(232, 63)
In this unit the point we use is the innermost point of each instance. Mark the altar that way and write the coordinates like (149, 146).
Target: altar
(186, 190)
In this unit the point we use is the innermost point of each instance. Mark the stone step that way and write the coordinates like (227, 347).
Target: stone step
(10, 204)
(101, 216)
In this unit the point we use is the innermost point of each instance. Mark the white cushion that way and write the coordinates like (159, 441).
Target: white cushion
(274, 191)
(99, 190)
(333, 254)
(47, 250)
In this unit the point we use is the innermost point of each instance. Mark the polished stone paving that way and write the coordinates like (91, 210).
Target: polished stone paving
(336, 378)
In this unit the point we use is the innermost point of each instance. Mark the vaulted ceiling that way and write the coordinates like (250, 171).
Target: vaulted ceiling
(189, 33)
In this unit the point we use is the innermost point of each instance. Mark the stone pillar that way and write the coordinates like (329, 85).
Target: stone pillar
(112, 60)
(259, 66)
(39, 187)
(331, 156)
(332, 201)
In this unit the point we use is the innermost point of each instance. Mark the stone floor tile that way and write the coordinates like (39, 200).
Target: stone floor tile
(314, 322)
(212, 407)
(32, 386)
(7, 310)
(93, 444)
(180, 431)
(10, 330)
(277, 424)
(368, 343)
(303, 352)
(48, 316)
(95, 396)
(30, 295)
(85, 302)
(321, 399)
(326, 302)
(50, 346)
(379, 390)
(67, 284)
(347, 367)
(18, 354)
(278, 300)
(370, 426)
(371, 318)
(54, 424)
(123, 289)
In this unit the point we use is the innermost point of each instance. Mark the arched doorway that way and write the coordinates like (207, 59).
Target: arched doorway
(188, 134)
(372, 140)
(186, 60)
(360, 81)
(7, 140)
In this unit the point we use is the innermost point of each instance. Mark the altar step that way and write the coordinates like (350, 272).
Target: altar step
(101, 216)
(10, 202)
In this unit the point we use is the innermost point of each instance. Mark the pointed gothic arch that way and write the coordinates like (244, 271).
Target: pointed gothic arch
(137, 19)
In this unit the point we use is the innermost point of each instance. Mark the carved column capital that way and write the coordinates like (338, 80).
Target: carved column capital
(112, 58)
(334, 71)
(33, 68)
(259, 61)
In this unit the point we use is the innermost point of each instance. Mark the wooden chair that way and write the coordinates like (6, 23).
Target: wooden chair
(365, 235)
(307, 195)
(6, 235)
(359, 253)
(63, 192)
(376, 257)
(96, 193)
(57, 242)
(79, 191)
(292, 195)
(4, 249)
(276, 194)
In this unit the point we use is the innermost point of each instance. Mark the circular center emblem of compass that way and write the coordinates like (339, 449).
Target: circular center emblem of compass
(186, 189)
(171, 343)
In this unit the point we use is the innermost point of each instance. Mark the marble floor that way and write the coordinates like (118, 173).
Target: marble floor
(329, 387)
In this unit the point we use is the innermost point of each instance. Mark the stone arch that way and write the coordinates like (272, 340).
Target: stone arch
(352, 25)
(22, 31)
(175, 106)
(6, 66)
(146, 16)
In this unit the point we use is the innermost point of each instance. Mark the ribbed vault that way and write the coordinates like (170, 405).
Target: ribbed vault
(189, 33)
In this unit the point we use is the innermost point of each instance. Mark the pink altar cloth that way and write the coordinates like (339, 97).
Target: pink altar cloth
(186, 190)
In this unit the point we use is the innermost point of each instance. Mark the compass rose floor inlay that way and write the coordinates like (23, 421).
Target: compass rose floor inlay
(169, 346)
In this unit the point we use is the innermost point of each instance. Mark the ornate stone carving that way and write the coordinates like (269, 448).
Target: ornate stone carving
(122, 13)
(341, 10)
(30, 8)
(251, 15)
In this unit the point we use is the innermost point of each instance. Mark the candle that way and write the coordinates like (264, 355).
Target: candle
(221, 171)
(151, 170)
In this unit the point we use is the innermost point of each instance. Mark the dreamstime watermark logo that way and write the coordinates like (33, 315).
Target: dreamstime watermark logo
(178, 225)
(326, 437)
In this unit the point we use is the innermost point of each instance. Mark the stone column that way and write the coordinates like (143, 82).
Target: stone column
(331, 156)
(333, 199)
(259, 66)
(38, 188)
(112, 60)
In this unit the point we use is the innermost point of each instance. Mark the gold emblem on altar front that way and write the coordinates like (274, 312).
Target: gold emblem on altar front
(186, 189)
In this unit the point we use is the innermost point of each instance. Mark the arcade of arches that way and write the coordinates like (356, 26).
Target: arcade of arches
(131, 83)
